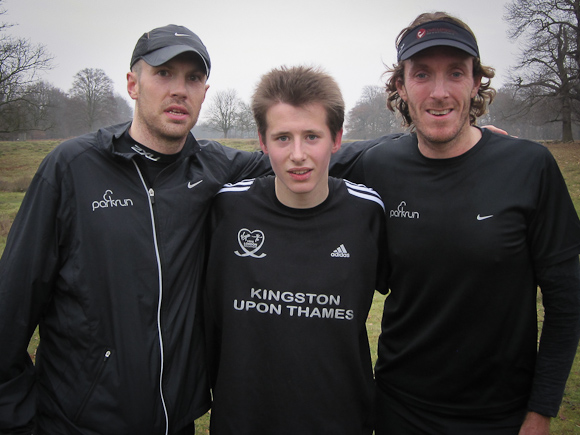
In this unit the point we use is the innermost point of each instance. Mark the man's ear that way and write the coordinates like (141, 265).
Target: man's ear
(476, 86)
(337, 141)
(262, 144)
(402, 91)
(132, 85)
(205, 93)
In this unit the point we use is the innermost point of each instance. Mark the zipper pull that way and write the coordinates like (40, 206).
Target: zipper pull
(107, 355)
(152, 195)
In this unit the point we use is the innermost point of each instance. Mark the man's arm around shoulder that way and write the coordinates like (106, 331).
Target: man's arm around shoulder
(347, 162)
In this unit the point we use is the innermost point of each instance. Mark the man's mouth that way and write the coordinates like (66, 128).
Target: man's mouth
(439, 112)
(177, 112)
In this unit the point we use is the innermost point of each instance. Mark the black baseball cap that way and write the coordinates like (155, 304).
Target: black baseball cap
(435, 33)
(164, 43)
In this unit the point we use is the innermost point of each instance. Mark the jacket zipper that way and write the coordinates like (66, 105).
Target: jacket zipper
(93, 385)
(151, 195)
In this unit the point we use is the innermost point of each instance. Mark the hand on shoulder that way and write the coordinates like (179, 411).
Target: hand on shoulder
(495, 129)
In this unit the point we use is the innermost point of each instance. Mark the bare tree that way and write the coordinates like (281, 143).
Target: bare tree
(3, 25)
(124, 111)
(514, 114)
(223, 111)
(32, 113)
(92, 92)
(370, 116)
(57, 121)
(547, 72)
(20, 65)
(245, 122)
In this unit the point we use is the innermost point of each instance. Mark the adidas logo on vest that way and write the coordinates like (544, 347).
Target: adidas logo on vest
(340, 252)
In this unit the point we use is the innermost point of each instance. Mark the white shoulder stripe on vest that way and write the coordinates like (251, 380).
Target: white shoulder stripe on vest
(364, 192)
(240, 186)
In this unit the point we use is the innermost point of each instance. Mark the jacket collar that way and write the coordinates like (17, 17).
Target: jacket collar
(108, 135)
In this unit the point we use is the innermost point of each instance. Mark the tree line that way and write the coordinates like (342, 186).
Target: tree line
(33, 108)
(540, 101)
(44, 111)
(228, 116)
(370, 117)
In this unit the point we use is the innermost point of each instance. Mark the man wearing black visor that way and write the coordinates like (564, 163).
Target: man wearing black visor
(475, 222)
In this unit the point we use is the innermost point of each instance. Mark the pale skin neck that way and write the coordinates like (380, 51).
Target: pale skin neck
(141, 134)
(466, 140)
(300, 200)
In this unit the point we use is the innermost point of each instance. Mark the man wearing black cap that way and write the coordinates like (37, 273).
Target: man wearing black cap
(475, 222)
(106, 257)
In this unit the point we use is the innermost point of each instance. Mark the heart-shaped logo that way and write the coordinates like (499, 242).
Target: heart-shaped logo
(250, 242)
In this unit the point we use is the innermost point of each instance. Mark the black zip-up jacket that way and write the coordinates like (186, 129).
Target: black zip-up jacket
(110, 269)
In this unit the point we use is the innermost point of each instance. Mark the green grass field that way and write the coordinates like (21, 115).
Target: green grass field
(19, 160)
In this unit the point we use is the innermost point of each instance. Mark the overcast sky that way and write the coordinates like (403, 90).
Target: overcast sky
(350, 39)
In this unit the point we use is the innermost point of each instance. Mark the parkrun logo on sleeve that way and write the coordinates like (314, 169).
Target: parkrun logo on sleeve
(108, 201)
(400, 212)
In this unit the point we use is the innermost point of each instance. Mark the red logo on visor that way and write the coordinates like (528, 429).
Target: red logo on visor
(421, 33)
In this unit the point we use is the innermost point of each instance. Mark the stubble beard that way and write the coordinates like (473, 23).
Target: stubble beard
(165, 137)
(444, 136)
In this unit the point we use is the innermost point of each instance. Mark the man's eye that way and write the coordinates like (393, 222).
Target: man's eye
(311, 137)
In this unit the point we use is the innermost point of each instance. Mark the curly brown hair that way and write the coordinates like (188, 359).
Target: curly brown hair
(396, 74)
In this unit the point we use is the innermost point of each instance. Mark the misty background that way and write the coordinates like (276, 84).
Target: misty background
(351, 40)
